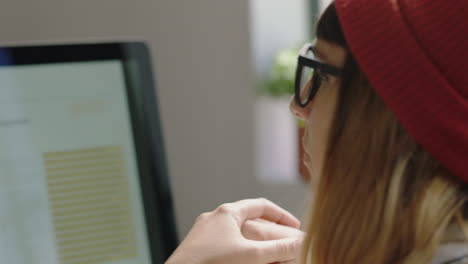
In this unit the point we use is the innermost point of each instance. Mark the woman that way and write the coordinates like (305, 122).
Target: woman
(386, 110)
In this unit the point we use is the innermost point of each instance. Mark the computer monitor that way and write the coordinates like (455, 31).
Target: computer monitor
(83, 176)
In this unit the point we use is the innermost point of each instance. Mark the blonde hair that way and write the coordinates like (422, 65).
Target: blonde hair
(381, 198)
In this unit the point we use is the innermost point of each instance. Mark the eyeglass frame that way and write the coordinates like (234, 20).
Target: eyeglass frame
(314, 63)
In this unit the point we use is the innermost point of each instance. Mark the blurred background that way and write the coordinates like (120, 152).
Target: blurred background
(223, 76)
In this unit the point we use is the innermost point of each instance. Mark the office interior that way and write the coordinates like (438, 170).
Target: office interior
(208, 57)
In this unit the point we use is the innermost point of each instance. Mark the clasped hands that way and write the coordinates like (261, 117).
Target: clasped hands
(253, 231)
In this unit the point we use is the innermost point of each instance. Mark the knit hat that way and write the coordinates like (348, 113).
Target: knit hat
(415, 53)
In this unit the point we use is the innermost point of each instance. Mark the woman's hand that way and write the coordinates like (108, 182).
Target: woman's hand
(263, 230)
(217, 237)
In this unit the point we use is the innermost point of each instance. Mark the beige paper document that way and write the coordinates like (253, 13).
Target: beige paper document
(88, 193)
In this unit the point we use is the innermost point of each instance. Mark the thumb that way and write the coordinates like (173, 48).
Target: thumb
(280, 250)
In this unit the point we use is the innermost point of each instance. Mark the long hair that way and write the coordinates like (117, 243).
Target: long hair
(381, 198)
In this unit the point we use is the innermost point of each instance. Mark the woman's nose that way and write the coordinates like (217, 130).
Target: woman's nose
(300, 112)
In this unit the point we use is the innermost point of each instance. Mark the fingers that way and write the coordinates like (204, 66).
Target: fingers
(282, 250)
(262, 230)
(262, 208)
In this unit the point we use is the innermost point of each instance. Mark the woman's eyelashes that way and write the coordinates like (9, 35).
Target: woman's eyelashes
(325, 77)
(322, 75)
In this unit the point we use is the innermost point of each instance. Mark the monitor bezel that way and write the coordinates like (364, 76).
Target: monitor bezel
(145, 121)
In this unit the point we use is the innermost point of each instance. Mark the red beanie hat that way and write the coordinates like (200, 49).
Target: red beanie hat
(415, 53)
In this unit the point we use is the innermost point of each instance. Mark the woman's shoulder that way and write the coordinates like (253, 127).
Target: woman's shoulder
(451, 253)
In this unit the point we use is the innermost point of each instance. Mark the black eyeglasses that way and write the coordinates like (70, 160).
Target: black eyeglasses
(310, 73)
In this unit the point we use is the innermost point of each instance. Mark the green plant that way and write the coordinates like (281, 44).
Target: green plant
(280, 80)
(300, 123)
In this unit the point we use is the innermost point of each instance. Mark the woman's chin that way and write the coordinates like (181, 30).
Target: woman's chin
(307, 163)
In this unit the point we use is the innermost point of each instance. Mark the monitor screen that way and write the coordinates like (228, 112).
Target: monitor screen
(71, 175)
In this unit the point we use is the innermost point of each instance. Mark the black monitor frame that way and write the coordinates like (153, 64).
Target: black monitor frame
(146, 128)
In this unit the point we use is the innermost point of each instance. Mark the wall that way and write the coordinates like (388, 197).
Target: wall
(205, 85)
(275, 25)
(322, 4)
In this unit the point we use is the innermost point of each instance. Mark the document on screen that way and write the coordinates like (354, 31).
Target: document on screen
(69, 185)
